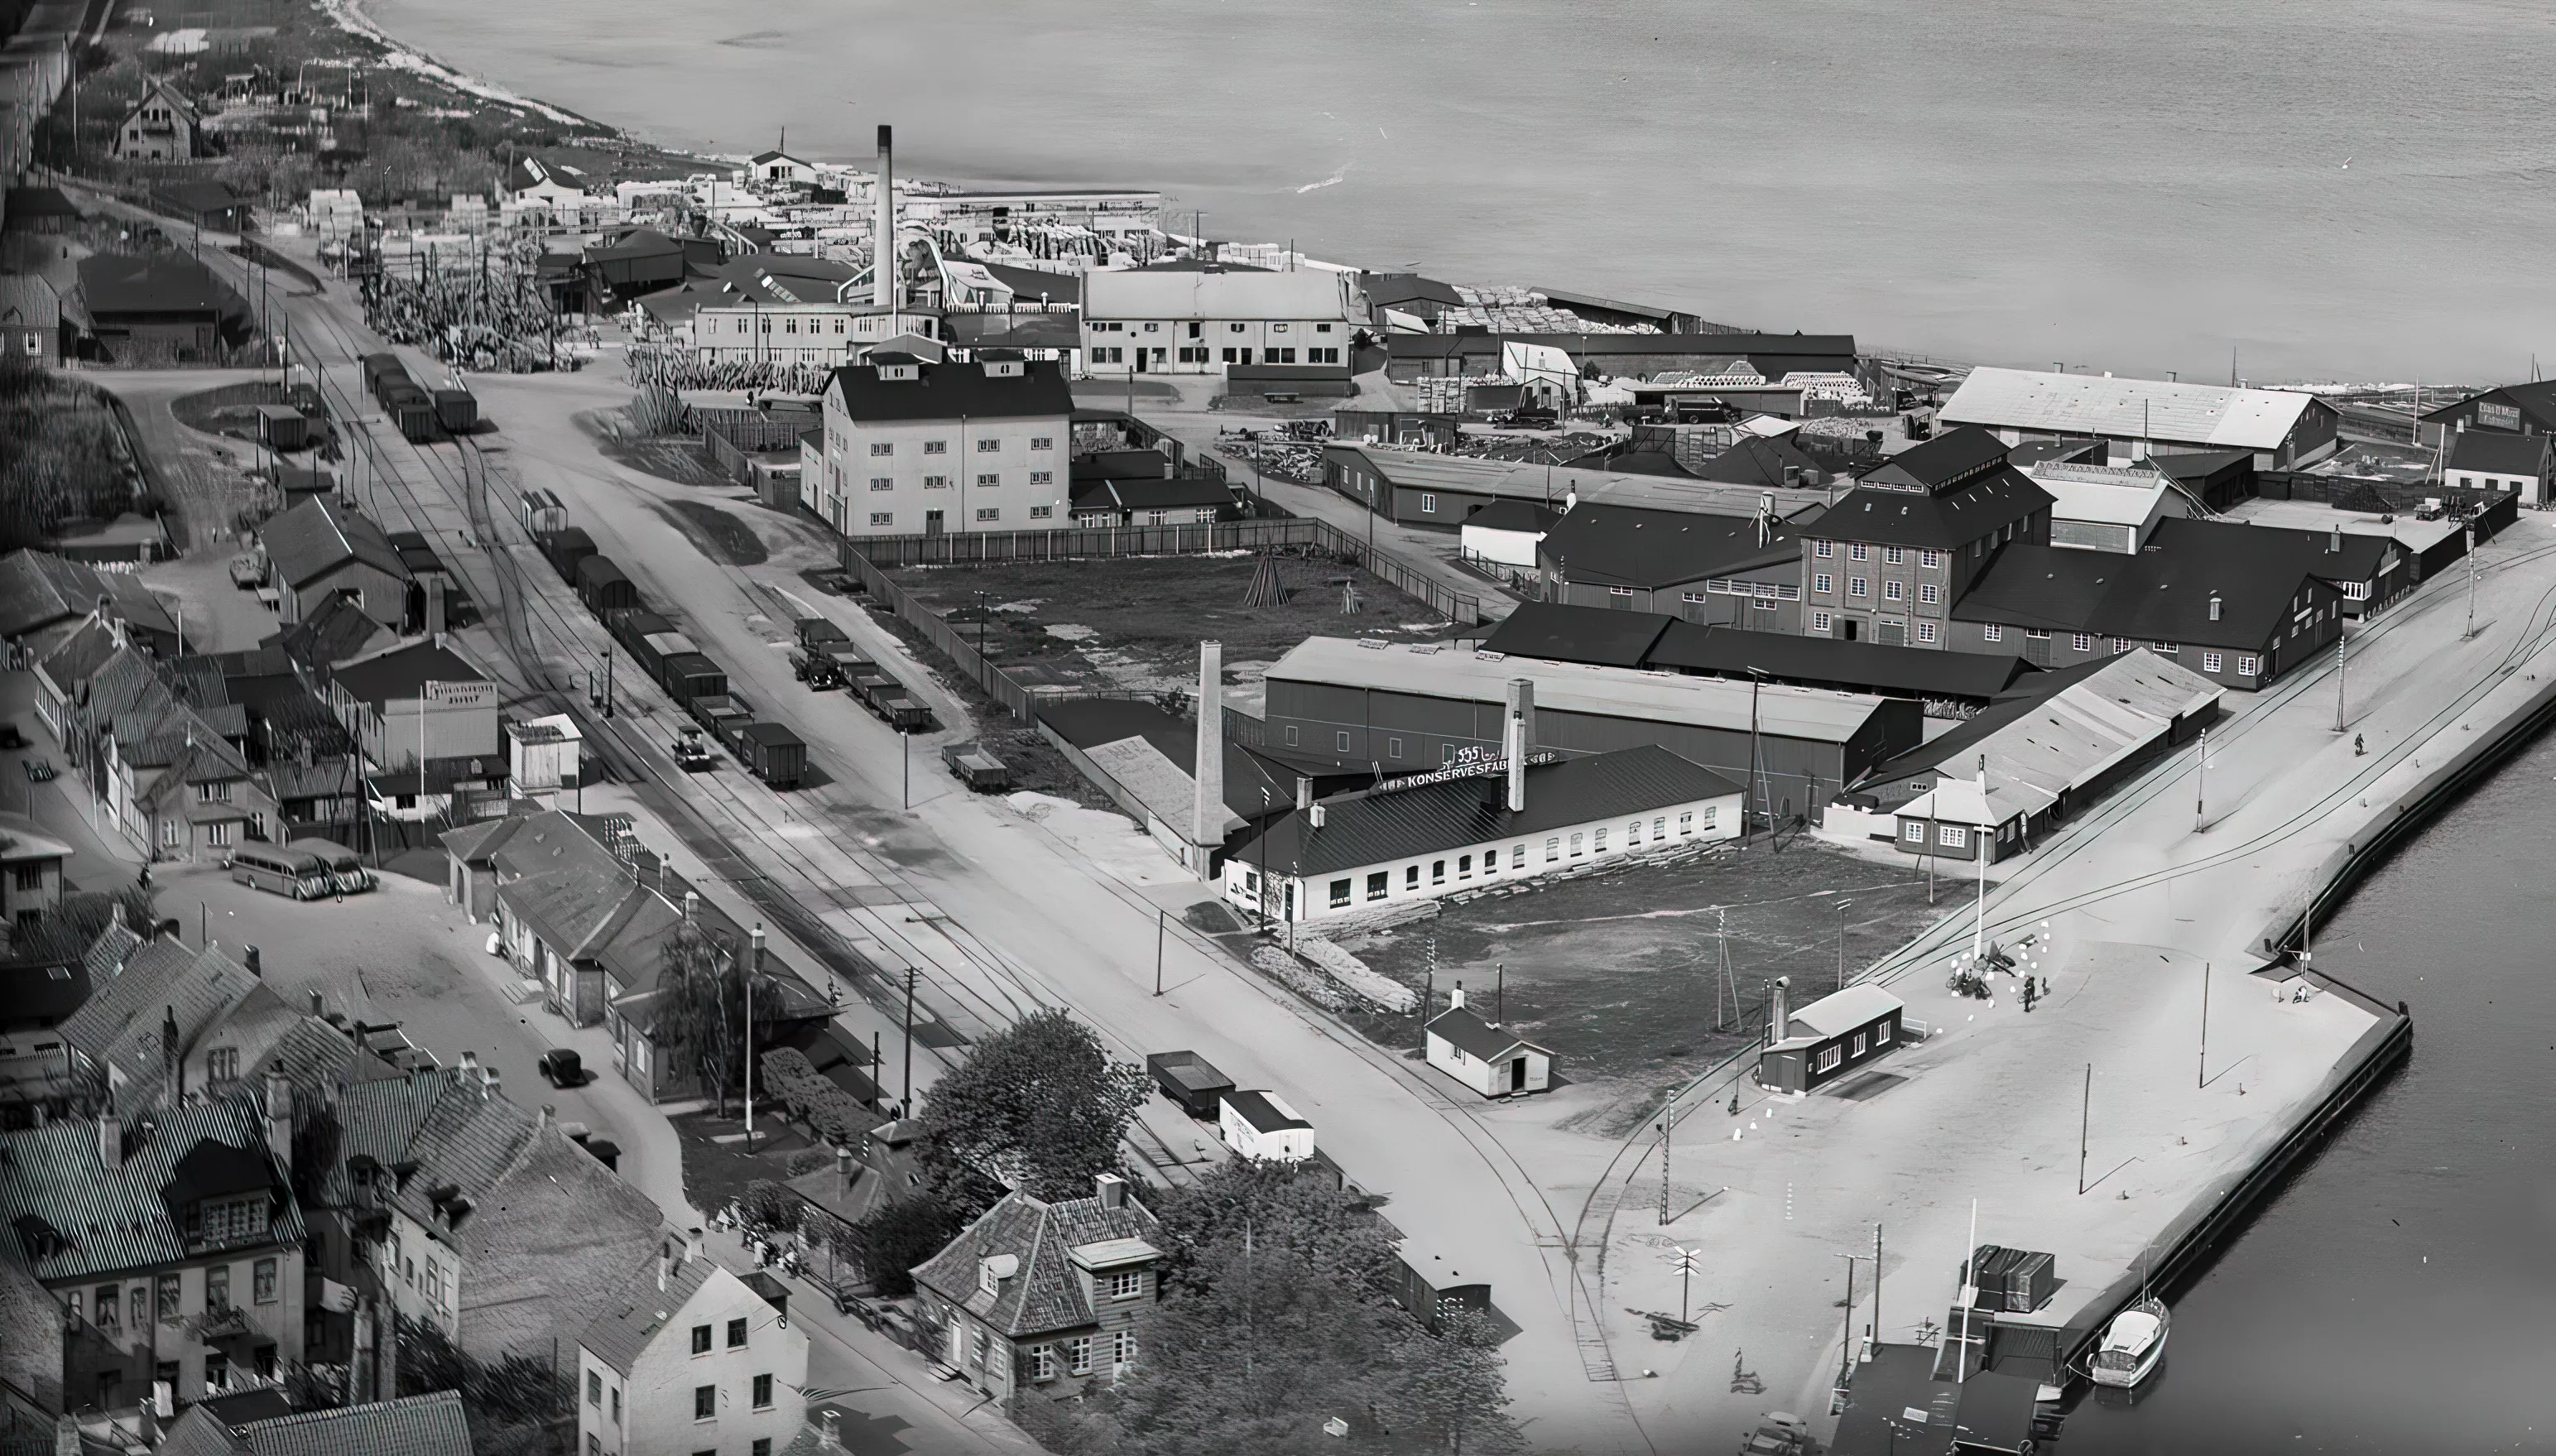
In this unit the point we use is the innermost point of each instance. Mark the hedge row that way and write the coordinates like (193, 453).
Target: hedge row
(808, 1096)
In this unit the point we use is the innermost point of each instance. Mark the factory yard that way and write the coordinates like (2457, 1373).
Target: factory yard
(1619, 973)
(1132, 624)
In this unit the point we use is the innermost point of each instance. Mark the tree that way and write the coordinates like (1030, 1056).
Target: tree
(65, 931)
(1286, 1207)
(887, 1245)
(703, 990)
(1038, 1106)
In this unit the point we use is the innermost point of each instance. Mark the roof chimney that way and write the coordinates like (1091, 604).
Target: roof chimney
(1111, 1189)
(319, 1004)
(254, 968)
(1517, 739)
(1455, 997)
(755, 965)
(2214, 606)
(1779, 1011)
(1304, 793)
(693, 1248)
(883, 234)
(2334, 541)
(110, 1141)
(1207, 808)
(279, 1119)
(665, 1262)
(691, 903)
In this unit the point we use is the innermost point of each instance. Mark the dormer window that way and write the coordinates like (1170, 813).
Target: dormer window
(905, 372)
(1004, 369)
(993, 1270)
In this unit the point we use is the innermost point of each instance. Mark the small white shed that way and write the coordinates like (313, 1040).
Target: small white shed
(1261, 1124)
(1484, 1057)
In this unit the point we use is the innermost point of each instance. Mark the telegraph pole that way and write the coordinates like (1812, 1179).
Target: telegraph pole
(2202, 1077)
(2200, 784)
(2338, 662)
(1161, 919)
(2472, 583)
(1667, 1122)
(905, 1097)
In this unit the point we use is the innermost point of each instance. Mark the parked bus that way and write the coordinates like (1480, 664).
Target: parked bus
(347, 873)
(282, 871)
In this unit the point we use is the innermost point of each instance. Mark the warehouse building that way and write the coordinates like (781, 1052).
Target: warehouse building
(2285, 430)
(1892, 561)
(1418, 487)
(1420, 707)
(1727, 568)
(1656, 642)
(2512, 409)
(1201, 322)
(1410, 356)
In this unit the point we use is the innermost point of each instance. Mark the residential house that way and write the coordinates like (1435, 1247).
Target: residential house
(886, 1167)
(2286, 429)
(2495, 460)
(177, 1024)
(337, 631)
(683, 1358)
(31, 876)
(45, 600)
(480, 856)
(2239, 605)
(1202, 322)
(425, 724)
(30, 320)
(159, 309)
(1892, 558)
(207, 204)
(1486, 1057)
(1151, 502)
(173, 1243)
(1742, 571)
(181, 790)
(320, 551)
(1044, 1297)
(780, 169)
(161, 127)
(923, 448)
(413, 1425)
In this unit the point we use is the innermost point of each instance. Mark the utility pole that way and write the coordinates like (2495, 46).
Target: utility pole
(1876, 1284)
(1846, 1357)
(1499, 992)
(1980, 851)
(905, 791)
(1161, 919)
(2472, 583)
(2202, 1077)
(1668, 1122)
(2200, 784)
(1841, 943)
(1683, 1260)
(905, 1097)
(2338, 662)
(1757, 771)
(750, 1046)
(2085, 1125)
(1970, 1293)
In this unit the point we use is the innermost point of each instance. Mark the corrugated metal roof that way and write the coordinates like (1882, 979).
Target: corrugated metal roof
(1845, 1010)
(1802, 712)
(1306, 293)
(414, 1425)
(2126, 409)
(2064, 742)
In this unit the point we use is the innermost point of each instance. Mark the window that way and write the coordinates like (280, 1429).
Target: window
(2247, 666)
(1047, 442)
(1619, 590)
(593, 1389)
(593, 1444)
(1709, 810)
(1126, 1284)
(217, 1373)
(1042, 1361)
(261, 1281)
(701, 1338)
(1599, 847)
(1929, 594)
(1914, 832)
(1855, 1049)
(1854, 587)
(1892, 590)
(882, 519)
(1411, 876)
(1823, 549)
(1860, 552)
(1894, 555)
(705, 1403)
(763, 1392)
(736, 1334)
(1993, 632)
(1492, 861)
(141, 1315)
(1078, 1355)
(1925, 631)
(1340, 742)
(1690, 597)
(1633, 833)
(935, 482)
(990, 512)
(1428, 503)
(2122, 645)
(2210, 662)
(988, 446)
(222, 1064)
(1830, 1058)
(1821, 621)
(1228, 354)
(987, 479)
(1930, 558)
(1659, 829)
(762, 1446)
(1881, 1034)
(935, 447)
(1686, 823)
(2167, 648)
(1952, 836)
(1822, 581)
(1378, 884)
(1042, 512)
(1122, 1349)
(1464, 867)
(1517, 857)
(1393, 747)
(1042, 477)
(110, 1306)
(2082, 642)
(1339, 893)
(1437, 872)
(1575, 846)
(1552, 850)
(1291, 734)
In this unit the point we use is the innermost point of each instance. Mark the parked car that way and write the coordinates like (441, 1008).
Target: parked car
(561, 1067)
(247, 571)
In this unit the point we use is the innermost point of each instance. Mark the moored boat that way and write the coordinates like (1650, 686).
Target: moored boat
(2133, 1345)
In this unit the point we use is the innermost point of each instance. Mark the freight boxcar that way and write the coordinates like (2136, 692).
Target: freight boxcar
(774, 754)
(690, 675)
(282, 426)
(457, 410)
(566, 547)
(542, 513)
(602, 585)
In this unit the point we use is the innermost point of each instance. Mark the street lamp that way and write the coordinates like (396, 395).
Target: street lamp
(1841, 942)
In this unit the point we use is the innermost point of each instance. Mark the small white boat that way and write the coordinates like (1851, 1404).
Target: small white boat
(2133, 1345)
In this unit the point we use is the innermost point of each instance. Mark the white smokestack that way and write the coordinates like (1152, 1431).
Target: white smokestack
(1517, 736)
(1207, 813)
(1780, 1012)
(883, 248)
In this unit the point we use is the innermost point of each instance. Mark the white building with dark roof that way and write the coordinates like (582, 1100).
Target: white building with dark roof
(1197, 322)
(920, 448)
(685, 1358)
(1261, 1124)
(1486, 1057)
(1044, 1297)
(2286, 429)
(2491, 459)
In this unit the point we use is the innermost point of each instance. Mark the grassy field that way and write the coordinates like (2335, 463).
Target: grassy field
(1619, 971)
(1133, 623)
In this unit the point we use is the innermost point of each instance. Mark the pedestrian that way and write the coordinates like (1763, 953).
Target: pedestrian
(2359, 748)
(1734, 1104)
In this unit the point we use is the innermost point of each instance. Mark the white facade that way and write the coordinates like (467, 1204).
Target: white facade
(423, 1274)
(541, 757)
(1484, 1058)
(1287, 1139)
(2530, 489)
(1461, 867)
(908, 477)
(756, 1384)
(826, 334)
(1508, 548)
(1191, 322)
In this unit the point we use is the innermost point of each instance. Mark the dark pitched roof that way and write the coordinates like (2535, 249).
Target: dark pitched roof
(635, 1312)
(1755, 460)
(39, 589)
(1862, 667)
(1474, 1035)
(1940, 463)
(1256, 1108)
(1623, 546)
(1122, 464)
(1945, 522)
(2499, 453)
(1563, 634)
(337, 632)
(2163, 593)
(1397, 290)
(2535, 400)
(115, 284)
(40, 992)
(951, 391)
(1153, 494)
(2064, 451)
(111, 1220)
(2194, 465)
(1385, 824)
(319, 536)
(1044, 1293)
(1634, 462)
(402, 672)
(1511, 513)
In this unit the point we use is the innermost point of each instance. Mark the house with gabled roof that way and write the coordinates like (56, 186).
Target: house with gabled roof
(1487, 1057)
(171, 1241)
(160, 127)
(1044, 1297)
(320, 551)
(436, 1424)
(687, 1357)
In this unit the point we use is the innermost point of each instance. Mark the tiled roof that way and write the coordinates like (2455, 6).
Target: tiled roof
(115, 1219)
(550, 1237)
(1377, 826)
(80, 655)
(635, 1312)
(1044, 1293)
(413, 1425)
(199, 996)
(106, 956)
(39, 589)
(375, 1119)
(1955, 518)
